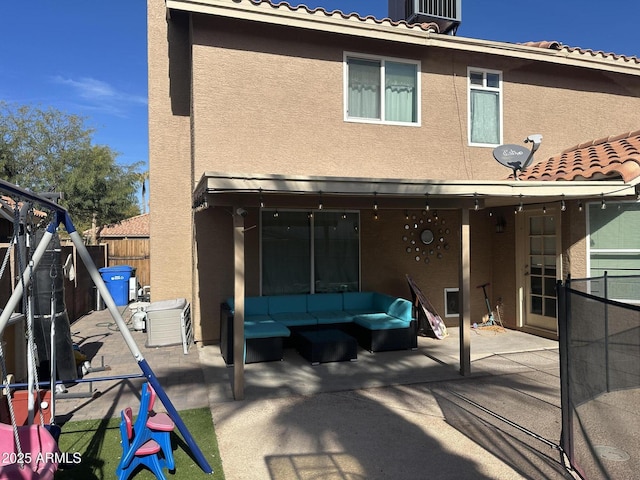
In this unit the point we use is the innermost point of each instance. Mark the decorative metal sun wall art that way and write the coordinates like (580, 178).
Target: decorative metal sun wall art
(425, 235)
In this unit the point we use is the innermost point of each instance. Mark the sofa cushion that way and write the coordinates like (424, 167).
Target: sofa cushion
(287, 304)
(252, 305)
(336, 316)
(256, 306)
(358, 301)
(294, 319)
(380, 321)
(324, 302)
(394, 306)
(265, 329)
(257, 318)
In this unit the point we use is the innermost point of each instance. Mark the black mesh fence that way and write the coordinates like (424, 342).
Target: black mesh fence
(599, 322)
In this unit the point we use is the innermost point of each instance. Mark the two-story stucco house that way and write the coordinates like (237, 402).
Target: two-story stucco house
(306, 151)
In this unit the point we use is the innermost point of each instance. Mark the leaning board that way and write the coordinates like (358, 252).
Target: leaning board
(435, 321)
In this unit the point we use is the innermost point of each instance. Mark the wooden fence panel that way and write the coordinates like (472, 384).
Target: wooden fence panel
(80, 293)
(133, 252)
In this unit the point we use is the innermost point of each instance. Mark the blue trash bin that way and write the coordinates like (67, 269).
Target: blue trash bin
(116, 279)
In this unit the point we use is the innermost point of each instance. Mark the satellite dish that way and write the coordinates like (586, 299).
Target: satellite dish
(517, 157)
(511, 156)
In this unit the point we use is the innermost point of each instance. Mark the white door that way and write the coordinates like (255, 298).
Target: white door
(540, 268)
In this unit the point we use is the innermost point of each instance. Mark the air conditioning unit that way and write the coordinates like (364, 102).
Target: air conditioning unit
(447, 14)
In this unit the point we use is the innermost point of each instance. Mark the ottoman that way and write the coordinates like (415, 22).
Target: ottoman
(321, 346)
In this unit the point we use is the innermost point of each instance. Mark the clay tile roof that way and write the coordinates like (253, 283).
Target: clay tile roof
(130, 227)
(608, 158)
(9, 203)
(555, 45)
(432, 27)
(428, 27)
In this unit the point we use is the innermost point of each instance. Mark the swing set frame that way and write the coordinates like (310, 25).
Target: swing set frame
(61, 217)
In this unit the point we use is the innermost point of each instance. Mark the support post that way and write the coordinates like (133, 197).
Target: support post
(465, 295)
(606, 331)
(238, 301)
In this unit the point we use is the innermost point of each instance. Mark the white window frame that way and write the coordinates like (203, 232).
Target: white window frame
(486, 88)
(382, 60)
(447, 312)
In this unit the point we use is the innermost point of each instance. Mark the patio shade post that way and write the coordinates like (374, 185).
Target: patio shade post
(465, 295)
(238, 299)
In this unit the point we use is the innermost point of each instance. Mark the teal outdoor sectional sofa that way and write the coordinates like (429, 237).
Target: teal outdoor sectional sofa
(378, 321)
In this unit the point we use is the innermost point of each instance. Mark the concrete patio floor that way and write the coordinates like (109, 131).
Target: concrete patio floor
(406, 414)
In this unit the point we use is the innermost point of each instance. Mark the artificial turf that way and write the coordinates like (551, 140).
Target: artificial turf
(94, 450)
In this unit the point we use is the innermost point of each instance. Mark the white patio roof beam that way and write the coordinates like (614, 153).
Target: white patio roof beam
(465, 192)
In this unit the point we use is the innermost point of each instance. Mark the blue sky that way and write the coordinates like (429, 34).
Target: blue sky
(89, 57)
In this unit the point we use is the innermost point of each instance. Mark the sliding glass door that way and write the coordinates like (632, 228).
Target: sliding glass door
(305, 252)
(286, 247)
(336, 252)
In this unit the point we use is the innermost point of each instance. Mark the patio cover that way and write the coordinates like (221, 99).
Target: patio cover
(227, 189)
(279, 191)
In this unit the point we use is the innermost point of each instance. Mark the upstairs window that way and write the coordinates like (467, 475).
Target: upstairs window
(485, 107)
(381, 90)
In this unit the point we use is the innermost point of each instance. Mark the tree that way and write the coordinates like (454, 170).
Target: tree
(97, 184)
(47, 150)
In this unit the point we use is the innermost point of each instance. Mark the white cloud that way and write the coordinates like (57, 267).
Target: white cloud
(100, 95)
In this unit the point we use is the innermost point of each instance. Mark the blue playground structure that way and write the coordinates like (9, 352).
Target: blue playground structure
(61, 217)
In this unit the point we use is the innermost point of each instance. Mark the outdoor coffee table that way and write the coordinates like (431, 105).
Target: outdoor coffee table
(321, 346)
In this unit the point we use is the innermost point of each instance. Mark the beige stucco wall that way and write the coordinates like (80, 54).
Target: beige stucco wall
(170, 179)
(265, 99)
(574, 243)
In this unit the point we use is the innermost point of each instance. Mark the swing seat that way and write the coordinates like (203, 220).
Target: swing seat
(37, 445)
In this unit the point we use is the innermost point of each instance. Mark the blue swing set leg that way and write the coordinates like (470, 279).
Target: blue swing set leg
(62, 217)
(142, 363)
